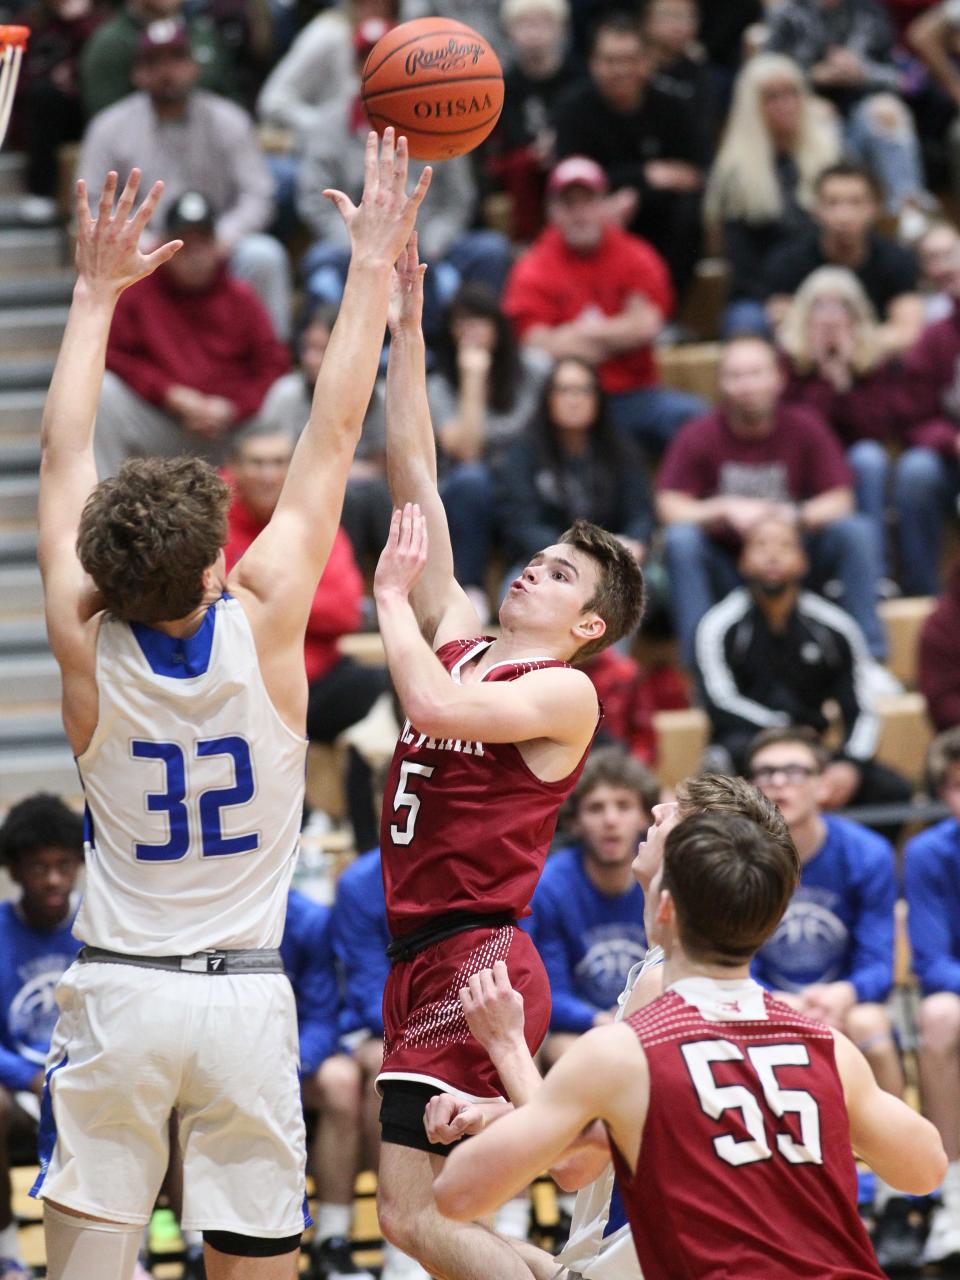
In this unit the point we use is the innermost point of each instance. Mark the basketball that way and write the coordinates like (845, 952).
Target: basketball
(436, 81)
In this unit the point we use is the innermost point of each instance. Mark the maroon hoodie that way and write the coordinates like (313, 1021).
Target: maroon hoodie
(938, 656)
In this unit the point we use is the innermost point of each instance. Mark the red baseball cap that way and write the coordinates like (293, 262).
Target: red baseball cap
(577, 171)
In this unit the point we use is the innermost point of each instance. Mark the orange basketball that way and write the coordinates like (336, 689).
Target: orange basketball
(436, 81)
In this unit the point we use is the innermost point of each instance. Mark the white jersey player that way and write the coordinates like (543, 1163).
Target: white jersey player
(184, 699)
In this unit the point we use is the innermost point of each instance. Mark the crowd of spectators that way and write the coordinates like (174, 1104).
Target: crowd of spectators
(812, 147)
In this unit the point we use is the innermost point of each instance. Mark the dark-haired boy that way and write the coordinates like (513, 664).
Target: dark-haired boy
(41, 846)
(496, 737)
(748, 1111)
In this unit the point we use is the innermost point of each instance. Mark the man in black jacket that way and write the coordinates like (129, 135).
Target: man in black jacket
(771, 654)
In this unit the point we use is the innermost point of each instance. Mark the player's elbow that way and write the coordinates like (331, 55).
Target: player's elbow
(926, 1171)
(434, 714)
(453, 1197)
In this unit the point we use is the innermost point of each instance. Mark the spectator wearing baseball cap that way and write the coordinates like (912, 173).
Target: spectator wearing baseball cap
(588, 289)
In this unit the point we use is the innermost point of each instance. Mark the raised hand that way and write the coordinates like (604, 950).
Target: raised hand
(406, 289)
(404, 557)
(381, 225)
(108, 245)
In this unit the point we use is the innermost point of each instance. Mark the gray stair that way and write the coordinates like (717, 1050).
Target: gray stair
(23, 634)
(18, 544)
(18, 496)
(24, 771)
(29, 678)
(31, 330)
(20, 454)
(21, 591)
(38, 291)
(30, 252)
(26, 374)
(32, 729)
(13, 168)
(21, 411)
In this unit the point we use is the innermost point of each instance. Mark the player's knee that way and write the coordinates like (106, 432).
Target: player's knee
(398, 1224)
(938, 1023)
(340, 1083)
(867, 1025)
(239, 1246)
(369, 1057)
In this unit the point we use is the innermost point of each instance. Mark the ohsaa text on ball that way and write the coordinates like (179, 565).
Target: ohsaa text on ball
(451, 56)
(425, 110)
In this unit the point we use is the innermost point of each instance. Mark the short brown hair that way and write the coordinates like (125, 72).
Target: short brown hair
(730, 884)
(147, 534)
(800, 733)
(944, 751)
(619, 597)
(615, 767)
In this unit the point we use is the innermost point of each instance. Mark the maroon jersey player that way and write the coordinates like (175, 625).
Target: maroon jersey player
(496, 735)
(733, 1119)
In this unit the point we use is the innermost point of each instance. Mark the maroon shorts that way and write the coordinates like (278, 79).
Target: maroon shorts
(425, 1033)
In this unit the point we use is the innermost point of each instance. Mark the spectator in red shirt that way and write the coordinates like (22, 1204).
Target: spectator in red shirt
(590, 290)
(751, 458)
(342, 691)
(192, 353)
(938, 663)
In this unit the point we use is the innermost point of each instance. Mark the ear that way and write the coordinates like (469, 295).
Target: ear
(666, 908)
(590, 627)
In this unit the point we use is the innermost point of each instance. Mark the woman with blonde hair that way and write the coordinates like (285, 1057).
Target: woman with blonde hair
(836, 366)
(777, 139)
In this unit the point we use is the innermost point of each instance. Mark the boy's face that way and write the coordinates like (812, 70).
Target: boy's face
(610, 821)
(649, 857)
(47, 878)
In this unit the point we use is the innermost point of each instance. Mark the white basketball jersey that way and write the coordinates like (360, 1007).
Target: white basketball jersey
(194, 791)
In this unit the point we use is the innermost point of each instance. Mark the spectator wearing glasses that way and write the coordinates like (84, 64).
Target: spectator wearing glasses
(771, 655)
(831, 956)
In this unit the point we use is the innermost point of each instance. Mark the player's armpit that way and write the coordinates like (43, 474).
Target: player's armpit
(556, 703)
(894, 1140)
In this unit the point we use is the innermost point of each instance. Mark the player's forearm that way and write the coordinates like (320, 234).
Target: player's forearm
(411, 449)
(421, 684)
(516, 1069)
(71, 405)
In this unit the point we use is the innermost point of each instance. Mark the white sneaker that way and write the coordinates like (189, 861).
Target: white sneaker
(943, 1240)
(397, 1266)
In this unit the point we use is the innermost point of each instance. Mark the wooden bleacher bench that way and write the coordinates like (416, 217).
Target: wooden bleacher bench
(903, 620)
(692, 367)
(905, 734)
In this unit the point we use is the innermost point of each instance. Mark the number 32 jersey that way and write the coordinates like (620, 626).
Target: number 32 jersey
(194, 791)
(466, 826)
(745, 1164)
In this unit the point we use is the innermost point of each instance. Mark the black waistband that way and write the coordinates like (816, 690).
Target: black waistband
(261, 960)
(442, 927)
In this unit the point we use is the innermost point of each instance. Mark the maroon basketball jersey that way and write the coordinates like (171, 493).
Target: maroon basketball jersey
(745, 1164)
(465, 826)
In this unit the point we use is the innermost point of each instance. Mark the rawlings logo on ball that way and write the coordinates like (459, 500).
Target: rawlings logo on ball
(449, 57)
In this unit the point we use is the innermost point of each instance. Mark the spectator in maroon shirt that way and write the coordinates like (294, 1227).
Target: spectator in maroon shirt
(835, 365)
(938, 658)
(341, 690)
(589, 290)
(752, 457)
(192, 353)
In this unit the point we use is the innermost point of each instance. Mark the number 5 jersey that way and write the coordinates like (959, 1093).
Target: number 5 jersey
(745, 1165)
(194, 793)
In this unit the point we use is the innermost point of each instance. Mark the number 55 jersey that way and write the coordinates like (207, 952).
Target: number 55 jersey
(745, 1165)
(194, 793)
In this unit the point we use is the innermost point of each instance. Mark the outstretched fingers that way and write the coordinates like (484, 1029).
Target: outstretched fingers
(105, 212)
(84, 216)
(128, 196)
(146, 210)
(415, 199)
(161, 255)
(385, 177)
(371, 172)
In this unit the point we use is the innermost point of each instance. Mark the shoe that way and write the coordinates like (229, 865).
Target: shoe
(332, 1259)
(193, 1265)
(14, 1269)
(397, 1266)
(943, 1240)
(897, 1239)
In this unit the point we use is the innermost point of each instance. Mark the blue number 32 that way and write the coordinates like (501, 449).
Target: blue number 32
(172, 801)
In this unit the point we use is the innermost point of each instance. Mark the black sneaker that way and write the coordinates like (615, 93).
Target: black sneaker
(332, 1259)
(898, 1237)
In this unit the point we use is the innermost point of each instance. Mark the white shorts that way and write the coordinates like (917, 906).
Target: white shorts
(131, 1046)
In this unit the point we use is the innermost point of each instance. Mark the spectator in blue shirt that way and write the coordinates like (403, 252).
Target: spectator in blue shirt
(588, 908)
(932, 886)
(832, 953)
(41, 846)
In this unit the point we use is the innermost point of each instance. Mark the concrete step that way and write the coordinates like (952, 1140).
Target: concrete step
(29, 678)
(32, 730)
(12, 213)
(29, 251)
(18, 545)
(18, 496)
(27, 373)
(23, 634)
(23, 772)
(21, 411)
(13, 169)
(55, 289)
(19, 455)
(21, 590)
(34, 331)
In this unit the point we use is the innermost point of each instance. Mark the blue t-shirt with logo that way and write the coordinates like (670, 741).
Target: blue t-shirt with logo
(839, 924)
(32, 962)
(588, 940)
